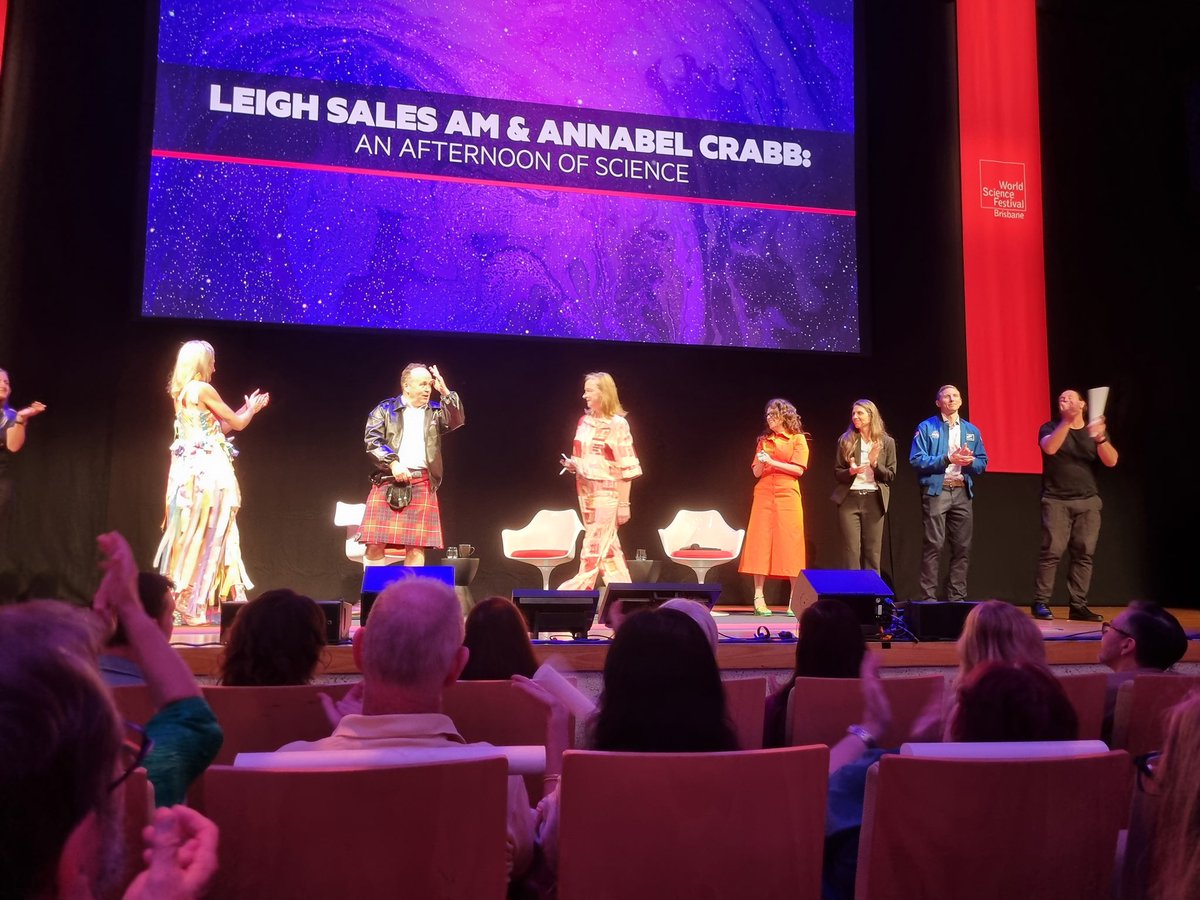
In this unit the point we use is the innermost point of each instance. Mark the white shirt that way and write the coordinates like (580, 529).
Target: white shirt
(954, 470)
(865, 480)
(411, 452)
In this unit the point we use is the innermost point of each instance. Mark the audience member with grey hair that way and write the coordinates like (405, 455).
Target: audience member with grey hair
(63, 763)
(409, 652)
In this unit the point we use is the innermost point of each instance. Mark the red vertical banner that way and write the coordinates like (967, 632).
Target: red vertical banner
(1003, 257)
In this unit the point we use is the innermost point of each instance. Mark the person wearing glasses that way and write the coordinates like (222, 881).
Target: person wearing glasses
(1072, 448)
(1142, 638)
(775, 535)
(65, 758)
(1160, 860)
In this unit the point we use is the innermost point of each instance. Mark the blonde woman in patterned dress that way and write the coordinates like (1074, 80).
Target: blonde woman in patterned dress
(604, 463)
(200, 551)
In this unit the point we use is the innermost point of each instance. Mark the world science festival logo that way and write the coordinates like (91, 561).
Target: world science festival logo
(1002, 188)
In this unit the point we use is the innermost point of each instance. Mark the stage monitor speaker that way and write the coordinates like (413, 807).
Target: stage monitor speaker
(337, 615)
(653, 593)
(557, 610)
(937, 620)
(376, 578)
(862, 589)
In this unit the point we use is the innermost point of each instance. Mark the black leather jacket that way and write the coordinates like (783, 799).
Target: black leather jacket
(386, 424)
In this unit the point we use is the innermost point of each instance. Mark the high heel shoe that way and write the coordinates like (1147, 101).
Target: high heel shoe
(760, 607)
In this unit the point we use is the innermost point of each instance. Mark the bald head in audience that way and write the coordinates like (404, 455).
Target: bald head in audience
(1143, 637)
(411, 648)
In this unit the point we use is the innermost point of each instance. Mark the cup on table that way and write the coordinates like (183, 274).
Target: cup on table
(465, 550)
(451, 553)
(641, 554)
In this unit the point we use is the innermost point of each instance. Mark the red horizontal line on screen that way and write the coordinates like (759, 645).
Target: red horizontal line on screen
(352, 170)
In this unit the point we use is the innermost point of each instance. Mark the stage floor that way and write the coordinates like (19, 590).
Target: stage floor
(746, 642)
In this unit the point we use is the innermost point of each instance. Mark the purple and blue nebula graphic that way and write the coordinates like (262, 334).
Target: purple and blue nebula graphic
(269, 219)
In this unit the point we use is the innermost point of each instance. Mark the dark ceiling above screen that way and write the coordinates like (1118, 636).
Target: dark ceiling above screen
(600, 170)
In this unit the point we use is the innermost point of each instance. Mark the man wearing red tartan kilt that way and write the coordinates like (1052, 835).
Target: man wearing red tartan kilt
(404, 438)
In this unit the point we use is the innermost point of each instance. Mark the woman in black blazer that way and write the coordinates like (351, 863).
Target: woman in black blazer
(864, 466)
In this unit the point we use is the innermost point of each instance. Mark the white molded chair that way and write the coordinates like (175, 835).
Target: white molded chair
(350, 516)
(548, 541)
(701, 540)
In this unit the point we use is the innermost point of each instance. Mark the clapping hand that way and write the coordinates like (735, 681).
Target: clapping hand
(257, 401)
(351, 704)
(35, 408)
(181, 856)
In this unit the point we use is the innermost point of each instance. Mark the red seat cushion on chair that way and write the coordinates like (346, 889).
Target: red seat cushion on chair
(702, 554)
(538, 554)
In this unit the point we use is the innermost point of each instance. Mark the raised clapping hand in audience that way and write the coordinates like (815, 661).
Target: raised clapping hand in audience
(117, 593)
(351, 704)
(180, 854)
(877, 711)
(556, 743)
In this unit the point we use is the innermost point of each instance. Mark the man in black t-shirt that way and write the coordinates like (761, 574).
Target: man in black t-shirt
(1071, 503)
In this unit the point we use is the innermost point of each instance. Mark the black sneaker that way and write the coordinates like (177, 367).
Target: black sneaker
(1041, 611)
(1083, 614)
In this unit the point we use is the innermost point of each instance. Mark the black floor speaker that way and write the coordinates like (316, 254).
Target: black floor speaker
(937, 620)
(862, 589)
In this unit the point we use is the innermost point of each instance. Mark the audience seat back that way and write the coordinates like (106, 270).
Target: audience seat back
(746, 701)
(417, 831)
(1139, 724)
(649, 826)
(258, 719)
(1087, 692)
(821, 709)
(501, 713)
(133, 703)
(1037, 829)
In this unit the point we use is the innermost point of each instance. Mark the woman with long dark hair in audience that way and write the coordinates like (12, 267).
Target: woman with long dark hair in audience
(830, 645)
(604, 463)
(775, 536)
(200, 550)
(662, 694)
(662, 689)
(864, 467)
(498, 640)
(276, 639)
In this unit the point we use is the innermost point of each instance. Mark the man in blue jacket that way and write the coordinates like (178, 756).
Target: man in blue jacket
(947, 452)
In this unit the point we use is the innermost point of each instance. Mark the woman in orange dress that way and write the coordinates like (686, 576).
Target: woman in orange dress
(775, 536)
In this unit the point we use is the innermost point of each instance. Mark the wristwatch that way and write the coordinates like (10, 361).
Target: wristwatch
(863, 735)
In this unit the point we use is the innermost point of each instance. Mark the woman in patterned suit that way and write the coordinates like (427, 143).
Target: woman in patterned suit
(604, 463)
